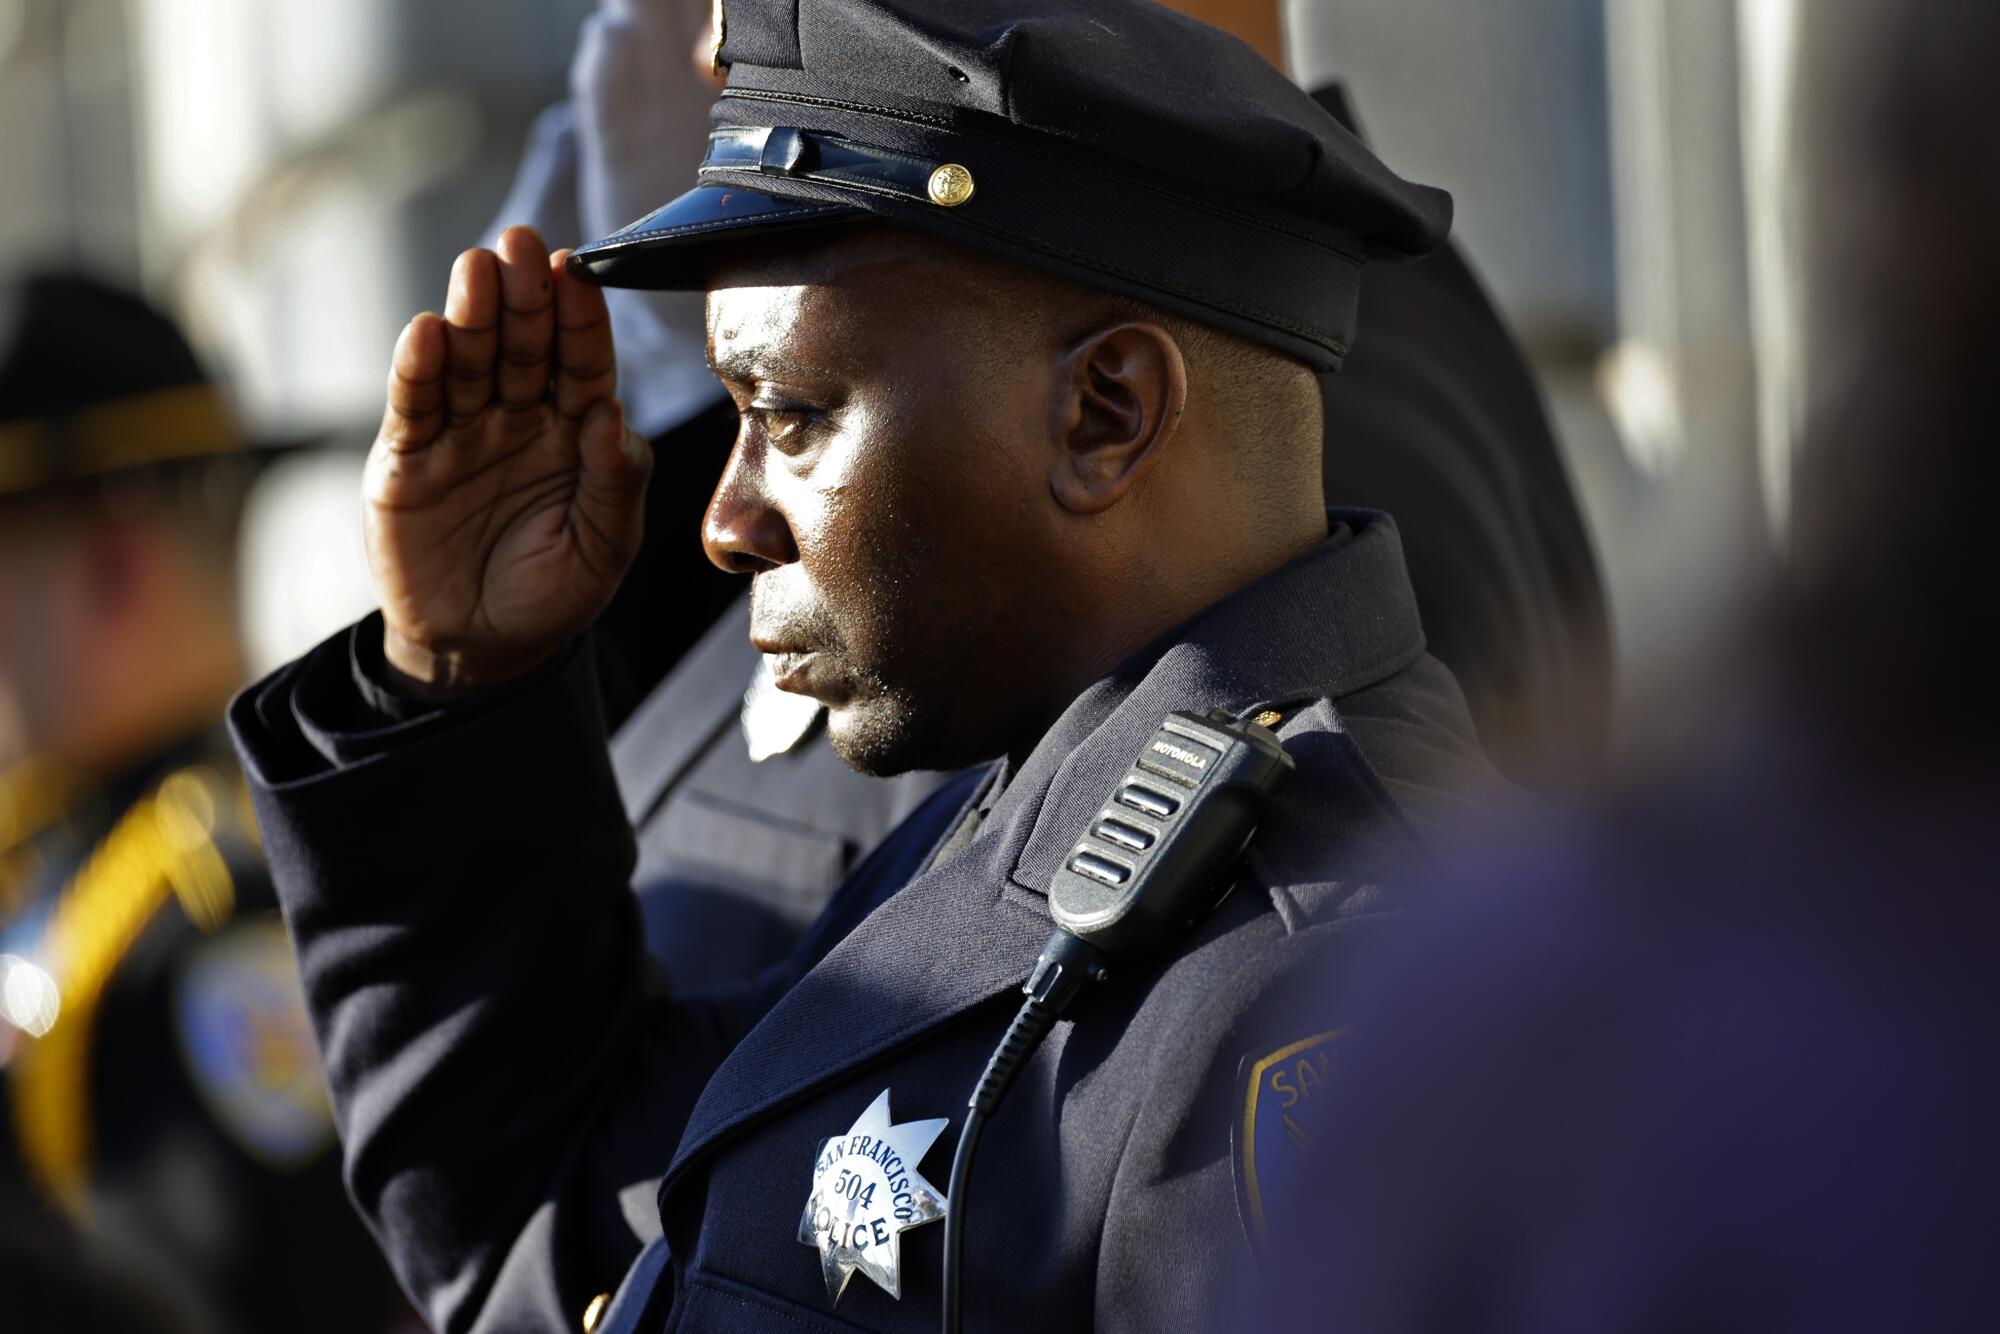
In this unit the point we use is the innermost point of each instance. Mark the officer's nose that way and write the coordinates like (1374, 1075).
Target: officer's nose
(743, 532)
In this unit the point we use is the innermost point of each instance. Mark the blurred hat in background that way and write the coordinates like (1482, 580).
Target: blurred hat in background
(93, 382)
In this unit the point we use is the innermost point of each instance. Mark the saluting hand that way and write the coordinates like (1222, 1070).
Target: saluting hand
(505, 494)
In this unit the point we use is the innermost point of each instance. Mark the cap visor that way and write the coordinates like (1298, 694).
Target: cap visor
(667, 250)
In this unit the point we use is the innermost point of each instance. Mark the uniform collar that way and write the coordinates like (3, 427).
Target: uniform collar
(1336, 620)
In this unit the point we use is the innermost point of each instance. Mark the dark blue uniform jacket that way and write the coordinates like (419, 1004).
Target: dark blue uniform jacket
(526, 1101)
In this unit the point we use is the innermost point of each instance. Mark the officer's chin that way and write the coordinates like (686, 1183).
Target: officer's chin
(874, 735)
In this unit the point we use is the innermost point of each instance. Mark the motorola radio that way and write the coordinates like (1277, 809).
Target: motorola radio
(1158, 858)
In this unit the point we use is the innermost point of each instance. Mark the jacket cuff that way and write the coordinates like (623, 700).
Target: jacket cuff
(365, 792)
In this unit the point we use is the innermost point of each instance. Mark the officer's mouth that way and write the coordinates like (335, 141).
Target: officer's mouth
(791, 669)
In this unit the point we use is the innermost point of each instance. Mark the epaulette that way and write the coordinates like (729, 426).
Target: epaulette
(163, 847)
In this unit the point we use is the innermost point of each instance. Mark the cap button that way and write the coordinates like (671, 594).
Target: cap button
(951, 185)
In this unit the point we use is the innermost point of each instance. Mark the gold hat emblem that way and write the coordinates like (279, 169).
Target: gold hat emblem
(951, 185)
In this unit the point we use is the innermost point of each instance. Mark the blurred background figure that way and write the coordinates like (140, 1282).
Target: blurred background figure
(278, 174)
(1718, 1053)
(161, 1079)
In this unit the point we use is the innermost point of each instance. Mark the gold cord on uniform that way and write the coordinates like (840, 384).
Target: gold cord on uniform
(163, 847)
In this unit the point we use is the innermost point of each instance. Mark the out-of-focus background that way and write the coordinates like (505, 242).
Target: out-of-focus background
(293, 178)
(288, 175)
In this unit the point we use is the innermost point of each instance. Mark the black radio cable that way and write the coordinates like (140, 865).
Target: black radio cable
(1153, 864)
(1066, 967)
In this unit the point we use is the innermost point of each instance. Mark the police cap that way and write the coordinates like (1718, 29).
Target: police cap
(1113, 142)
(95, 381)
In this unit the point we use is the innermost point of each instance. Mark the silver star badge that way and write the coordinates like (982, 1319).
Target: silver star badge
(866, 1191)
(775, 721)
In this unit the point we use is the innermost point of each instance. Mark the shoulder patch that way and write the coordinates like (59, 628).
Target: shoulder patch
(1271, 1136)
(248, 1043)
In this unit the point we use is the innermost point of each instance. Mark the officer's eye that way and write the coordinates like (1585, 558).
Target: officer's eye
(783, 420)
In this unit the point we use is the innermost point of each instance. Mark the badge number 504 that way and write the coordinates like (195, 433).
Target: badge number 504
(866, 1191)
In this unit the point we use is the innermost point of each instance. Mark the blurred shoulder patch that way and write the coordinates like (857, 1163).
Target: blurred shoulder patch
(248, 1045)
(1271, 1137)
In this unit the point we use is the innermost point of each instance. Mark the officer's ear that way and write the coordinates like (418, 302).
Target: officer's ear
(1120, 394)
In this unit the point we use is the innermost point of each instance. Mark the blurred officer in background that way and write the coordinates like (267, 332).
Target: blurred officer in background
(1025, 343)
(160, 1075)
(746, 819)
(1719, 1054)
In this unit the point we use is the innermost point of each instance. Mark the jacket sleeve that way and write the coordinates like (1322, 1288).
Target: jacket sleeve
(502, 1061)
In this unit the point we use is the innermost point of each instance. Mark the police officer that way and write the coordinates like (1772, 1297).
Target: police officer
(1025, 335)
(746, 821)
(160, 1077)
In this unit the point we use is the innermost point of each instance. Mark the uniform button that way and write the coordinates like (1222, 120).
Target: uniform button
(951, 185)
(595, 1312)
